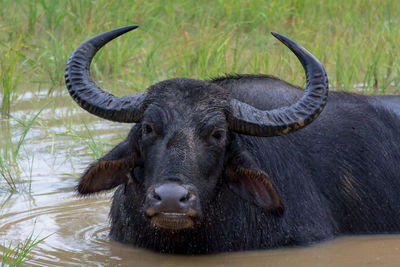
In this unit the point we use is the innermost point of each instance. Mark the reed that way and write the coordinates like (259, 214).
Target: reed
(16, 256)
(9, 74)
(357, 41)
(9, 158)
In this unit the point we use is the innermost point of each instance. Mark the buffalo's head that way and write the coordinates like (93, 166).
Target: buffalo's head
(185, 144)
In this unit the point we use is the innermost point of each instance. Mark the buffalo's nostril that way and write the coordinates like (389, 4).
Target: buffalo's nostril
(186, 198)
(156, 196)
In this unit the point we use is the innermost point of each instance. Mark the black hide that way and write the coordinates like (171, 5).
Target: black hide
(339, 175)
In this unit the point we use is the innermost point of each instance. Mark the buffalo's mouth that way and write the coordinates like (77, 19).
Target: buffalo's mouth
(172, 221)
(172, 206)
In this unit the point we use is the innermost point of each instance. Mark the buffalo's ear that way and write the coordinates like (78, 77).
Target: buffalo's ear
(251, 183)
(104, 175)
(255, 186)
(114, 168)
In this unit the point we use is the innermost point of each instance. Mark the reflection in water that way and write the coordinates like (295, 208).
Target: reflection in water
(77, 228)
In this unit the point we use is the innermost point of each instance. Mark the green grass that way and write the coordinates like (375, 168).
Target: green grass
(357, 41)
(15, 256)
(9, 74)
(9, 157)
(96, 146)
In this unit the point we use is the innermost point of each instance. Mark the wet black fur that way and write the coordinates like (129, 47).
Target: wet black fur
(339, 175)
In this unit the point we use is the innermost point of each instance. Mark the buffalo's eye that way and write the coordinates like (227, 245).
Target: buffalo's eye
(147, 129)
(218, 135)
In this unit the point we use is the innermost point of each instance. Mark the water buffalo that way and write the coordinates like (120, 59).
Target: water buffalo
(220, 165)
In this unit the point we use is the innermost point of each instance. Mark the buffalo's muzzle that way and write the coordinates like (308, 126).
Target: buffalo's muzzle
(172, 206)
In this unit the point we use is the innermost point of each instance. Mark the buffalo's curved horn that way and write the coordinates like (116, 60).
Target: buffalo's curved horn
(88, 95)
(246, 119)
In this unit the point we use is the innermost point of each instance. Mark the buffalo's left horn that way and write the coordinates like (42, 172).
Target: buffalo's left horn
(246, 119)
(88, 95)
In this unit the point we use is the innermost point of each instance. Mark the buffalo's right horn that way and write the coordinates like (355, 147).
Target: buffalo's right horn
(88, 95)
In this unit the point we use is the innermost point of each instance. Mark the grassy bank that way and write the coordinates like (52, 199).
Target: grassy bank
(357, 41)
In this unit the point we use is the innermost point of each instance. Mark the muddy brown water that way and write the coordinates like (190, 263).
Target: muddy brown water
(77, 228)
